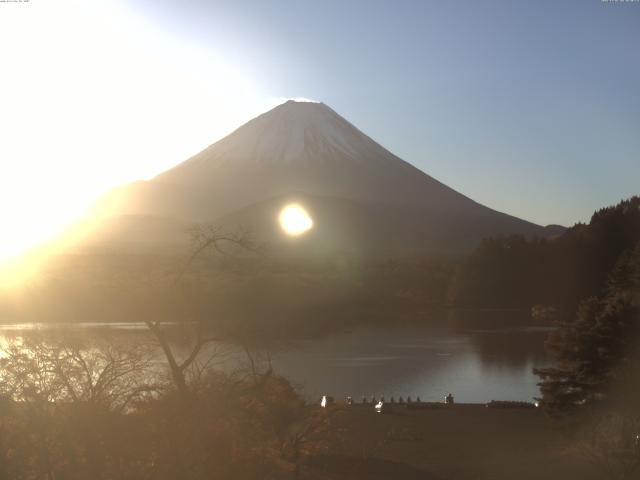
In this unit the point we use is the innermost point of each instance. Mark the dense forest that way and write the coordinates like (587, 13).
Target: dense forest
(515, 271)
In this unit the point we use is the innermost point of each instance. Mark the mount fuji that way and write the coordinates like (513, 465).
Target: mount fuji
(363, 199)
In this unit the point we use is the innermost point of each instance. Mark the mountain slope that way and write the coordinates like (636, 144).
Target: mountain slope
(354, 228)
(309, 150)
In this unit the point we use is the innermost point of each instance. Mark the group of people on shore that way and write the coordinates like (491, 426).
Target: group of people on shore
(328, 400)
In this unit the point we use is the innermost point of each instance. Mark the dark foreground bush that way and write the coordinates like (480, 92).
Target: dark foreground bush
(70, 411)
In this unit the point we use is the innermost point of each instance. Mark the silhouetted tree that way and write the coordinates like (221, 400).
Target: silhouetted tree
(62, 397)
(67, 367)
(594, 386)
(205, 238)
(593, 351)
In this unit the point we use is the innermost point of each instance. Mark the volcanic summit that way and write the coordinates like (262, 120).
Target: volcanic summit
(364, 200)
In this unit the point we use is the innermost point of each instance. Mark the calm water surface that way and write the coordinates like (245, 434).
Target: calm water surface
(430, 361)
(476, 366)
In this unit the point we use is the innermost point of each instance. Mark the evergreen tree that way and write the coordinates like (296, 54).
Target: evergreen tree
(597, 352)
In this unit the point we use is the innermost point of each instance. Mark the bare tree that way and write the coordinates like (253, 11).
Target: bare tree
(205, 239)
(60, 367)
(55, 383)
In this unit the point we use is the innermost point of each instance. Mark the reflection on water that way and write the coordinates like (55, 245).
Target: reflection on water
(476, 365)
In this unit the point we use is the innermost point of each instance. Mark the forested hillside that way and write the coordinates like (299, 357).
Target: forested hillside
(518, 272)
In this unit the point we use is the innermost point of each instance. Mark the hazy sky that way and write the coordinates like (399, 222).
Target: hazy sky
(529, 107)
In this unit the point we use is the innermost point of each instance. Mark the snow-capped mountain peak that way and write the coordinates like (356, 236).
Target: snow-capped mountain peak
(363, 197)
(293, 132)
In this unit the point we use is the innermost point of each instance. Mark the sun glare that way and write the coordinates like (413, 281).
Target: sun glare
(295, 220)
(96, 98)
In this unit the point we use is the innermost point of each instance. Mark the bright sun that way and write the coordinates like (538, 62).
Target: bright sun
(295, 220)
(80, 117)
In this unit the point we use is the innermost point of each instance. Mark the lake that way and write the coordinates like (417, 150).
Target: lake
(475, 365)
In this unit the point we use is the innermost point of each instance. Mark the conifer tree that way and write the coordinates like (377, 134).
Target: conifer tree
(596, 353)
